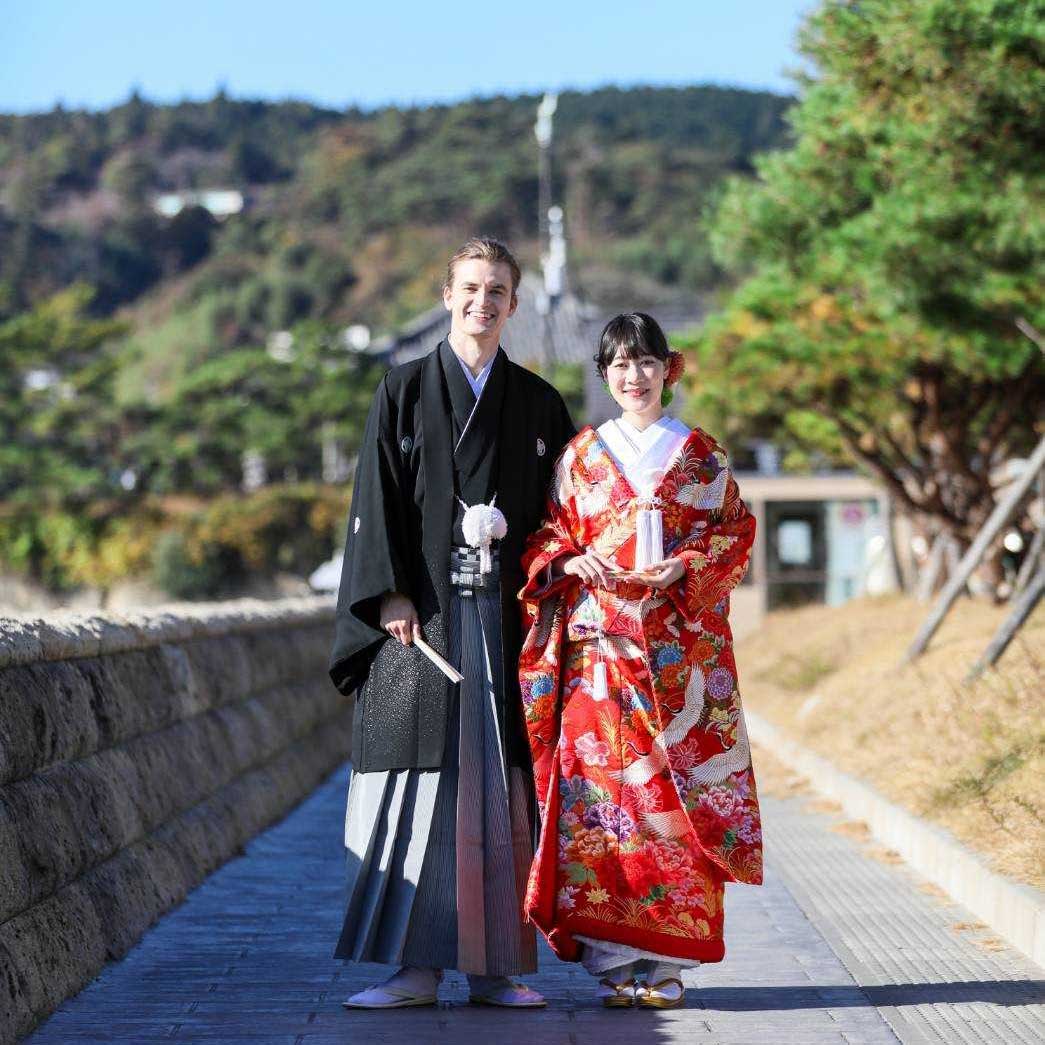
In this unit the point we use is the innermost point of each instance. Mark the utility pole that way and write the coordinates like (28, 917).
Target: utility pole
(542, 130)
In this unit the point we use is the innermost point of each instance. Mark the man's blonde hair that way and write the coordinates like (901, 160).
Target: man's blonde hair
(483, 248)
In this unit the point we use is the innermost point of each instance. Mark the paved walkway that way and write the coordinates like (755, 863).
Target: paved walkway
(836, 947)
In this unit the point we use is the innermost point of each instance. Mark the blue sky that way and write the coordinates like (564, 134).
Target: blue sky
(343, 53)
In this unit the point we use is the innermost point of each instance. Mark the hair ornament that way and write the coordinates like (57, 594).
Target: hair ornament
(675, 368)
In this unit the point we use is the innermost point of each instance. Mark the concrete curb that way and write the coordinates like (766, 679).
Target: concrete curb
(1015, 912)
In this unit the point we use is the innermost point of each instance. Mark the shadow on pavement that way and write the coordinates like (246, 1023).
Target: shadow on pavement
(750, 999)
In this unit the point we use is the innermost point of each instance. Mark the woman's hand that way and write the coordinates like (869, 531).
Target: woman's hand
(662, 574)
(399, 618)
(592, 568)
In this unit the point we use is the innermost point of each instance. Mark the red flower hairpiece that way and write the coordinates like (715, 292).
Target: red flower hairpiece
(676, 365)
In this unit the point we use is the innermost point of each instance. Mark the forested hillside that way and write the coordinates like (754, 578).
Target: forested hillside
(349, 214)
(139, 376)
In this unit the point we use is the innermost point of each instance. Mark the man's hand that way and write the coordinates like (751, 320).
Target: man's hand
(399, 618)
(592, 568)
(662, 574)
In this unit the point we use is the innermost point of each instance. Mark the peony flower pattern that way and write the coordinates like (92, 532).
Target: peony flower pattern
(720, 683)
(593, 752)
(610, 817)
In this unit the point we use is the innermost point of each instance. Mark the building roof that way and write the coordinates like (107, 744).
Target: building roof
(220, 202)
(573, 327)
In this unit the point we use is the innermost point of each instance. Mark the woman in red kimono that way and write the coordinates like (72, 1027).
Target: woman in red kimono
(641, 758)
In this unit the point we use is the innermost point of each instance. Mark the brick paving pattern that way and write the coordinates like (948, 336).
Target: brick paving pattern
(836, 947)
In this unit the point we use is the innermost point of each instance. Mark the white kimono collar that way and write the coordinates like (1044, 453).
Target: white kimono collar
(643, 456)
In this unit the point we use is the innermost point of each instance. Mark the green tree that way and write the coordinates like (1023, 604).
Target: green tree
(246, 399)
(894, 258)
(132, 176)
(61, 435)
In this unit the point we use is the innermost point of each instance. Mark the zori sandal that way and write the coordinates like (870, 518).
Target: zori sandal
(381, 997)
(617, 995)
(653, 995)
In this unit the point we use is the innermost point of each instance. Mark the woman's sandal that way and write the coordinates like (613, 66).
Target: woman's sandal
(623, 996)
(649, 995)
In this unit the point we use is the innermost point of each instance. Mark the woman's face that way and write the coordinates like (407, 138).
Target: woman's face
(636, 384)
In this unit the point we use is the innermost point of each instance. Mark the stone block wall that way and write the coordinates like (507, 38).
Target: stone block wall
(138, 754)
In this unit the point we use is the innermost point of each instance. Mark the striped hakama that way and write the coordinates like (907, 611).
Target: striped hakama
(437, 859)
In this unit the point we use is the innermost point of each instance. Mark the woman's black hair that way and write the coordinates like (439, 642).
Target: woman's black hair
(632, 335)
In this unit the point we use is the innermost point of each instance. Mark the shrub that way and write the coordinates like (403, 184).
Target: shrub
(181, 573)
(284, 527)
(190, 549)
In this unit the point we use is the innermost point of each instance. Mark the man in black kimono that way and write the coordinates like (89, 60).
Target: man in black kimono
(438, 830)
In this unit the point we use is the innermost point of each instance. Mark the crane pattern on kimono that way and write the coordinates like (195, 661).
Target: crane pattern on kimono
(714, 770)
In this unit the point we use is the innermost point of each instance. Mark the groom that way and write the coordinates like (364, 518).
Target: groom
(439, 825)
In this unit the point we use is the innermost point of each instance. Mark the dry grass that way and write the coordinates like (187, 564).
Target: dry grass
(885, 856)
(825, 805)
(857, 830)
(990, 943)
(931, 889)
(968, 757)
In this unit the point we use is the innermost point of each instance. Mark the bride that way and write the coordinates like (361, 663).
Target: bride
(629, 685)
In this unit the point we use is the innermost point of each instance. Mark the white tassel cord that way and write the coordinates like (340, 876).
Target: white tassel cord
(642, 534)
(656, 535)
(600, 684)
(649, 538)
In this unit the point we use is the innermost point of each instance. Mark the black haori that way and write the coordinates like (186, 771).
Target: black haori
(399, 536)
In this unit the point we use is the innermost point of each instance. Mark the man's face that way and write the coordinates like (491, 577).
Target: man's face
(480, 299)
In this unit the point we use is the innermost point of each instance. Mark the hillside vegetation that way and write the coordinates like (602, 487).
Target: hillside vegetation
(138, 370)
(350, 214)
(969, 758)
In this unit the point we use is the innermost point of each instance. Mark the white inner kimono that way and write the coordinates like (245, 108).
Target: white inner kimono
(643, 456)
